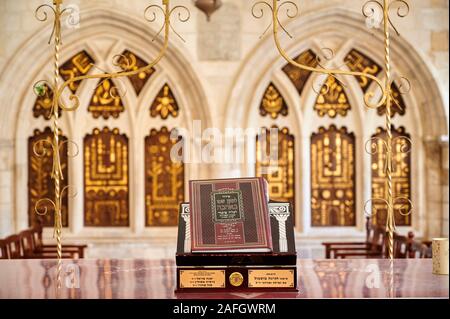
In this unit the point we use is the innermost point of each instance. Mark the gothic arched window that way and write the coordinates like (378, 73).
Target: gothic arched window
(106, 178)
(40, 183)
(333, 177)
(281, 176)
(164, 179)
(401, 176)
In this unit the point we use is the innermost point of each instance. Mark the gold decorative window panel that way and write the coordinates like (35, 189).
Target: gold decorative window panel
(164, 180)
(358, 62)
(106, 101)
(106, 179)
(298, 76)
(40, 184)
(398, 105)
(273, 103)
(78, 65)
(43, 104)
(164, 104)
(332, 100)
(333, 177)
(280, 176)
(132, 62)
(401, 176)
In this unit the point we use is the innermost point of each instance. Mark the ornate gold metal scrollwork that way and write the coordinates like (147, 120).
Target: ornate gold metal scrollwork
(387, 99)
(403, 9)
(41, 148)
(403, 204)
(292, 11)
(150, 14)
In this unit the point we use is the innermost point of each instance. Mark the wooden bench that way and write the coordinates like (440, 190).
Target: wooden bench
(28, 244)
(31, 252)
(40, 247)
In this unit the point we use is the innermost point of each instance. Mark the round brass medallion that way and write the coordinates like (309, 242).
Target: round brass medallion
(236, 279)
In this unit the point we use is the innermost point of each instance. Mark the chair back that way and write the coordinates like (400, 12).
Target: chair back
(401, 246)
(369, 229)
(14, 247)
(27, 241)
(377, 240)
(371, 234)
(419, 250)
(3, 249)
(36, 231)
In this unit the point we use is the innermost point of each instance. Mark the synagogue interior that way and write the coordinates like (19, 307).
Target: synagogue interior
(219, 85)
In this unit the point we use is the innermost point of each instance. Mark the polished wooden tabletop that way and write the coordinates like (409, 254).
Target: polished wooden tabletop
(146, 279)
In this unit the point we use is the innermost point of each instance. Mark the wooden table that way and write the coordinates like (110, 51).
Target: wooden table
(147, 279)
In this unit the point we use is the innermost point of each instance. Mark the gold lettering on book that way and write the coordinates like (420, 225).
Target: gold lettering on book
(202, 278)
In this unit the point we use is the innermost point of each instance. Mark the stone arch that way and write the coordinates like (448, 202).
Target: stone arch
(20, 73)
(263, 62)
(264, 59)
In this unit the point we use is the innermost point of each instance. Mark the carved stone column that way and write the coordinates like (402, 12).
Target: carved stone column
(281, 213)
(186, 215)
(434, 188)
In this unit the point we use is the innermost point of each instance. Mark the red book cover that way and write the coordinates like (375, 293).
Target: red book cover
(230, 215)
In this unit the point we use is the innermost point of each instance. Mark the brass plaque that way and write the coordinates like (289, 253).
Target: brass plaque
(269, 278)
(202, 278)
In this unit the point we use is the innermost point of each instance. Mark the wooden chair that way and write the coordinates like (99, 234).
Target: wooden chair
(407, 247)
(371, 248)
(375, 249)
(402, 245)
(3, 249)
(14, 247)
(332, 247)
(419, 250)
(39, 247)
(30, 252)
